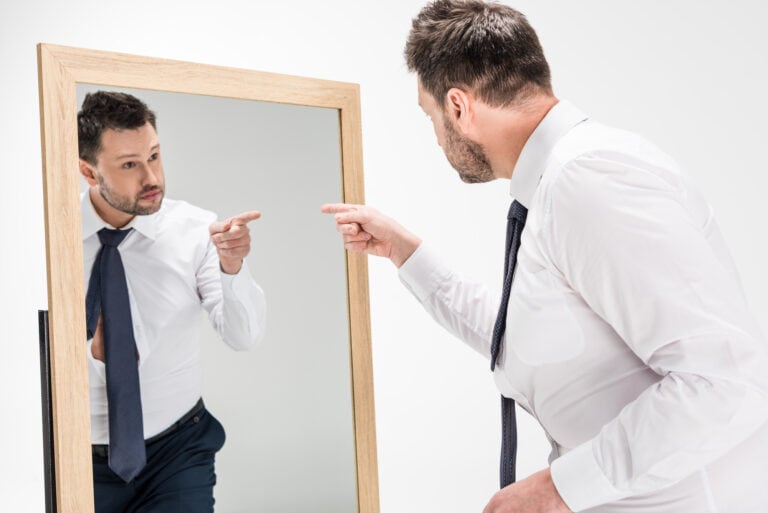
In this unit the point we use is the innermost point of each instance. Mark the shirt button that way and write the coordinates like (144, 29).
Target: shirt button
(195, 419)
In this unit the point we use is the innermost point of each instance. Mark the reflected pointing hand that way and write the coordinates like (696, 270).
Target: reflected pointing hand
(233, 240)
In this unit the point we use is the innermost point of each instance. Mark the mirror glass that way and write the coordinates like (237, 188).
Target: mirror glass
(286, 405)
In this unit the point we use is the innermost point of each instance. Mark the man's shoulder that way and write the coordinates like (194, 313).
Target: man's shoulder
(596, 140)
(596, 164)
(605, 152)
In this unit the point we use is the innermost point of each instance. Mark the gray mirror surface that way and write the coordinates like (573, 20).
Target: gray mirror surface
(286, 405)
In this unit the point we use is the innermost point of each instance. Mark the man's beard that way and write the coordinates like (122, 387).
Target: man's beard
(467, 157)
(129, 205)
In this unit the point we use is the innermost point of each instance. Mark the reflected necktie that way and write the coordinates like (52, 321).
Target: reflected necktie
(108, 294)
(515, 224)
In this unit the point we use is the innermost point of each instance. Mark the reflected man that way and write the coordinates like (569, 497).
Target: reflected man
(622, 326)
(151, 263)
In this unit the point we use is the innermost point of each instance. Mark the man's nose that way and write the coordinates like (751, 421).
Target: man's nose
(151, 175)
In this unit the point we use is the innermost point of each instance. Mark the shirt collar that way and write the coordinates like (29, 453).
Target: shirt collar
(92, 223)
(533, 159)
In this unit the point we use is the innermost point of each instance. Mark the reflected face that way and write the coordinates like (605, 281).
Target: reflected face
(129, 171)
(467, 157)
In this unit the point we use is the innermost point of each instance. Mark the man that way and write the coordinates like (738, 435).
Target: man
(154, 441)
(627, 335)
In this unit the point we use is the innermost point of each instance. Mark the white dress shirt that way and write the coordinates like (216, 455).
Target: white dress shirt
(172, 269)
(628, 336)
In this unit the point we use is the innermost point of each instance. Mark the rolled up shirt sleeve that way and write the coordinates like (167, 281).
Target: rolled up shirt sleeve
(645, 256)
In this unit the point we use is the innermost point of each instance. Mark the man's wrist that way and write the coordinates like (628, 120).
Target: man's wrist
(403, 251)
(231, 267)
(580, 481)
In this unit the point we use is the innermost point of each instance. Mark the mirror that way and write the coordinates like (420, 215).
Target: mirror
(298, 409)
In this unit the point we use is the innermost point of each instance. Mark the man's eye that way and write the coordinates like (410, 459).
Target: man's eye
(154, 156)
(129, 165)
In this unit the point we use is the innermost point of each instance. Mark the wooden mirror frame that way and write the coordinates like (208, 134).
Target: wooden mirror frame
(60, 69)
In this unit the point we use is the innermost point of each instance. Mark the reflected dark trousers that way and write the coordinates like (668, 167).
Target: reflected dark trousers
(179, 475)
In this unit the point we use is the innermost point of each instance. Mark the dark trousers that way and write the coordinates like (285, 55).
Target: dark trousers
(179, 476)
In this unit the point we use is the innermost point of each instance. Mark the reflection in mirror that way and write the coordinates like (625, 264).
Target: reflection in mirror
(287, 404)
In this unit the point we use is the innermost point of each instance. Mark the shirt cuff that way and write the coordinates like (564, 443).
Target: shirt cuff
(239, 284)
(580, 481)
(245, 309)
(423, 272)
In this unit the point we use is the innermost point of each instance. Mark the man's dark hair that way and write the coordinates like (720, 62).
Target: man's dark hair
(104, 110)
(484, 47)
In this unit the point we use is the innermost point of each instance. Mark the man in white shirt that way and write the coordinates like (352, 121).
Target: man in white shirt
(176, 258)
(627, 333)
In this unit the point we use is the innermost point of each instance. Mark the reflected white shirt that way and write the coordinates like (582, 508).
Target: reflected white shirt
(172, 269)
(628, 336)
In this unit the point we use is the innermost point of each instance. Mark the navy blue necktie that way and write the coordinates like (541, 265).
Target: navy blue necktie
(515, 224)
(108, 294)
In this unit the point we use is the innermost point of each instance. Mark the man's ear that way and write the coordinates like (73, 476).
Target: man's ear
(459, 106)
(86, 169)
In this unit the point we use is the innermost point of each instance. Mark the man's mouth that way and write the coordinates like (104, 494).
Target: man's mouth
(151, 195)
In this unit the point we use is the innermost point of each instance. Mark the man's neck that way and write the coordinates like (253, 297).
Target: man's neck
(511, 129)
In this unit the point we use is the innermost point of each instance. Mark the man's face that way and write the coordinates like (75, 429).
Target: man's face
(467, 157)
(129, 171)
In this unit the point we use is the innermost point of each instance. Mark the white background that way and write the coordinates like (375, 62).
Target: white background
(689, 75)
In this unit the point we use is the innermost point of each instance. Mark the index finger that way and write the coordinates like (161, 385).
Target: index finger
(336, 208)
(245, 217)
